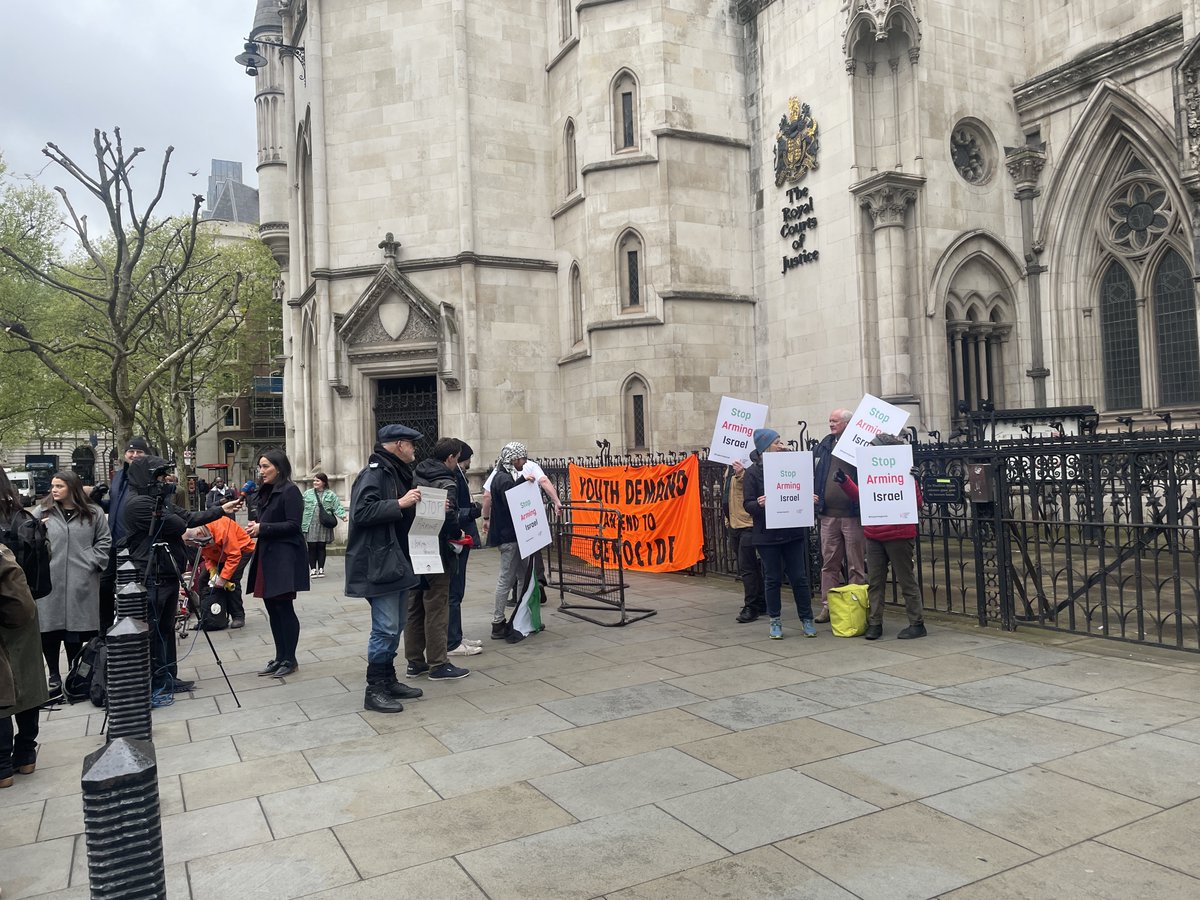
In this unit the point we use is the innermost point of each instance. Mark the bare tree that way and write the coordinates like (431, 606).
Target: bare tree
(101, 336)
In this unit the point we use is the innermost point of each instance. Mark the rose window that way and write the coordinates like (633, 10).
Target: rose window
(1139, 215)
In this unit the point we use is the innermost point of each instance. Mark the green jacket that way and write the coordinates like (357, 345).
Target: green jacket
(329, 500)
(22, 675)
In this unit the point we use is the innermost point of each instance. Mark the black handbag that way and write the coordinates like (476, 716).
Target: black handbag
(325, 517)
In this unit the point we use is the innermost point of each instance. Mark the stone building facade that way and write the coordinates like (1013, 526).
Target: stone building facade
(569, 221)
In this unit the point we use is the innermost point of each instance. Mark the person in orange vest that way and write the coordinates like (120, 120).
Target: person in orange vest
(225, 551)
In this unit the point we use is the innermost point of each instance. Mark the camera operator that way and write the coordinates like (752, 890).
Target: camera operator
(154, 528)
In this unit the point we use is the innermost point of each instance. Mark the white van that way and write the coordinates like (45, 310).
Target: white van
(23, 482)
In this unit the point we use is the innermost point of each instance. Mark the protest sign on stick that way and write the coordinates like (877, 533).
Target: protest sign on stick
(873, 416)
(736, 422)
(788, 487)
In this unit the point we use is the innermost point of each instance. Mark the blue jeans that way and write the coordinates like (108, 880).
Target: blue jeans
(458, 588)
(791, 558)
(387, 621)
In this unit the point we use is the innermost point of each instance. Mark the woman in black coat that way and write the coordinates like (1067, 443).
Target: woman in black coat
(279, 567)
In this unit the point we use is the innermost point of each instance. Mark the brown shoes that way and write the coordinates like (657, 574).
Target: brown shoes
(823, 615)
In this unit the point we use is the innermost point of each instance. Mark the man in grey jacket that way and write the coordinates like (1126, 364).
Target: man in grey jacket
(382, 505)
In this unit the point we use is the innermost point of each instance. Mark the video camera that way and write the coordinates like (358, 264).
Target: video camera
(158, 488)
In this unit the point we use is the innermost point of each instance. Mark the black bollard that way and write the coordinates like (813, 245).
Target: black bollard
(121, 820)
(127, 680)
(131, 601)
(127, 572)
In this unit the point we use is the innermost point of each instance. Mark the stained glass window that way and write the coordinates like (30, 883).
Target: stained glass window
(1119, 339)
(1175, 327)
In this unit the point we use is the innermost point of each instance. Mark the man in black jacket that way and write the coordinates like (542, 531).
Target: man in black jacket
(429, 613)
(468, 512)
(382, 505)
(156, 547)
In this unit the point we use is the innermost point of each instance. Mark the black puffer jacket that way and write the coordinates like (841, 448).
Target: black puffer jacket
(377, 543)
(752, 489)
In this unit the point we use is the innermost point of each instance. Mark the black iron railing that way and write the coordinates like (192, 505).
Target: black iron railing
(1094, 534)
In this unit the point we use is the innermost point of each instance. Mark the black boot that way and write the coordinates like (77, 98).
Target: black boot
(377, 698)
(499, 631)
(398, 690)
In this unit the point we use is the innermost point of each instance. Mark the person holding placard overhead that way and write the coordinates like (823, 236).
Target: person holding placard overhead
(890, 545)
(780, 549)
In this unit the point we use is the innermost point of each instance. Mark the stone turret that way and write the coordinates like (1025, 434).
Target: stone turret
(270, 117)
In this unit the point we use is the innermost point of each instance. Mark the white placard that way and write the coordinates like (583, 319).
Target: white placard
(788, 486)
(423, 546)
(887, 491)
(872, 417)
(529, 517)
(733, 433)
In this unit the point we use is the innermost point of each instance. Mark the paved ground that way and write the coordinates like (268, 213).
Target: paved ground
(684, 756)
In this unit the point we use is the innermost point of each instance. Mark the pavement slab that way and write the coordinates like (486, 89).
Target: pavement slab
(1087, 870)
(581, 861)
(732, 814)
(764, 874)
(1016, 741)
(770, 748)
(1121, 711)
(290, 867)
(1153, 767)
(1167, 838)
(635, 734)
(1040, 809)
(902, 717)
(901, 863)
(759, 708)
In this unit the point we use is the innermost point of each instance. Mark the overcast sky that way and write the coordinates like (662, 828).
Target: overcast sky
(161, 70)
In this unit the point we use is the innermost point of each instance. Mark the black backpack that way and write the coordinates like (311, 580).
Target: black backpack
(85, 680)
(26, 537)
(214, 610)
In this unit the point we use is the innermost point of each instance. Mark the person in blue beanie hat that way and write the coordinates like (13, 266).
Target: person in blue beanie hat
(780, 549)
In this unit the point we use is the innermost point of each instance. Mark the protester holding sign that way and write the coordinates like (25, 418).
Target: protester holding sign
(502, 532)
(780, 549)
(841, 529)
(889, 544)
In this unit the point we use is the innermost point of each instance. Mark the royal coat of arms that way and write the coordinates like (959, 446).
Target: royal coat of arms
(796, 145)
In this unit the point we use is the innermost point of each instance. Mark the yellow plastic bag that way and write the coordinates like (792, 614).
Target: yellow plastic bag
(848, 610)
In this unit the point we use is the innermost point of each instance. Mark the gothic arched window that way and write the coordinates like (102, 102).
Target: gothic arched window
(564, 20)
(635, 404)
(576, 305)
(1119, 339)
(625, 111)
(630, 266)
(570, 165)
(1175, 330)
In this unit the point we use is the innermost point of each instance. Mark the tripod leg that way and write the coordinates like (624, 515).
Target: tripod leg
(221, 666)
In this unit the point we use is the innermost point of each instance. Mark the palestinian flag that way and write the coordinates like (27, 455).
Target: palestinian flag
(527, 617)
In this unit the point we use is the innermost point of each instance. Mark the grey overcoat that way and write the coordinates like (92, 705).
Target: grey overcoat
(78, 554)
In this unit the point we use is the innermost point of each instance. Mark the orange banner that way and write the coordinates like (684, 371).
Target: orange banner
(657, 508)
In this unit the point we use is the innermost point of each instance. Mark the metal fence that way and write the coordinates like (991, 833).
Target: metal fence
(1095, 534)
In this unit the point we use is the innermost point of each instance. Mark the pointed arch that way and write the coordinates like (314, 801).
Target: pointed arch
(635, 412)
(570, 160)
(575, 288)
(626, 117)
(631, 269)
(1115, 208)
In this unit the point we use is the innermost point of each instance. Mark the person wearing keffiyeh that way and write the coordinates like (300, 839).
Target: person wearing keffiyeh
(502, 533)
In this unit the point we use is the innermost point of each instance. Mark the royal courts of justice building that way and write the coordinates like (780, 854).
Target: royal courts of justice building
(564, 221)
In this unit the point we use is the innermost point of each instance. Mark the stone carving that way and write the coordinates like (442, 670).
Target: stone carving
(888, 204)
(1139, 213)
(1191, 116)
(796, 144)
(881, 16)
(1025, 164)
(967, 151)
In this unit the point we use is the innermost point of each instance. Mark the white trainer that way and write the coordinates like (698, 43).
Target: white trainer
(464, 649)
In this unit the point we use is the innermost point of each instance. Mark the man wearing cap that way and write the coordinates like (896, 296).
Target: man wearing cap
(113, 503)
(378, 569)
(468, 512)
(510, 472)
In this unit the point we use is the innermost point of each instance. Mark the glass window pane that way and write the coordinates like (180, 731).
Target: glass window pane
(639, 420)
(635, 296)
(627, 118)
(1119, 340)
(1175, 326)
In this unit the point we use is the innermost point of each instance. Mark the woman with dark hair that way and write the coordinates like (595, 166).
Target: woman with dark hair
(316, 534)
(279, 567)
(79, 544)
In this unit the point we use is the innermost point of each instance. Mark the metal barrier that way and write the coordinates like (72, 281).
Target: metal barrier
(586, 560)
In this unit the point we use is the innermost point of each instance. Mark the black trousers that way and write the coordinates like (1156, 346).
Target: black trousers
(23, 750)
(749, 568)
(163, 602)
